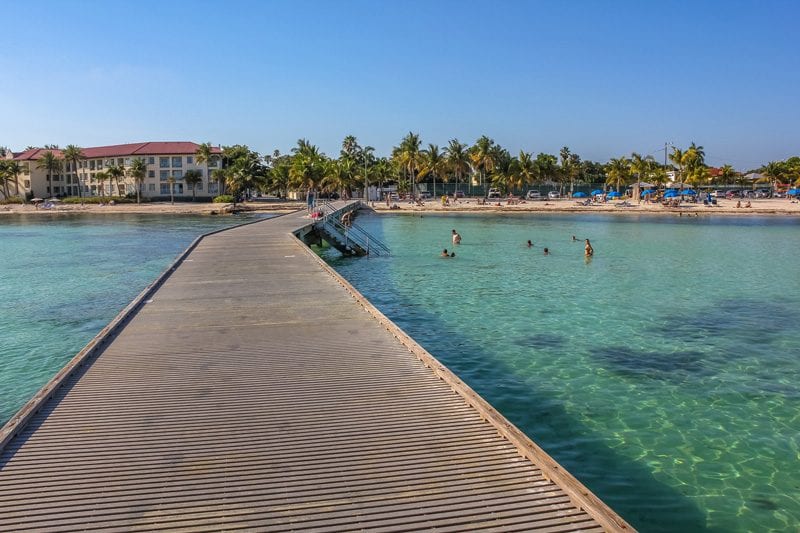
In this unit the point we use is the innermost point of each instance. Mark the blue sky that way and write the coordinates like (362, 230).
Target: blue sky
(603, 77)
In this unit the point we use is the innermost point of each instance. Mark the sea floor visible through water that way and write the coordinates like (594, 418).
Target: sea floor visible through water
(661, 372)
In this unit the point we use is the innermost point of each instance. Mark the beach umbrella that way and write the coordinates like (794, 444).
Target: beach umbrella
(596, 192)
(793, 192)
(648, 191)
(688, 191)
(579, 195)
(671, 194)
(36, 200)
(614, 194)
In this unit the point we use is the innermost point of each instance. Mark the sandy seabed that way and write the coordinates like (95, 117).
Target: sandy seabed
(773, 206)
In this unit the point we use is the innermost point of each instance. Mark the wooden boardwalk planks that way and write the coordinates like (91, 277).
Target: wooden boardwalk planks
(254, 389)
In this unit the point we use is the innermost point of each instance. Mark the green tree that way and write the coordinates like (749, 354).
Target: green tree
(526, 168)
(51, 164)
(138, 171)
(308, 167)
(73, 154)
(727, 174)
(5, 177)
(114, 173)
(457, 158)
(205, 154)
(191, 178)
(434, 164)
(774, 171)
(101, 178)
(546, 166)
(339, 176)
(410, 158)
(483, 156)
(618, 170)
(171, 180)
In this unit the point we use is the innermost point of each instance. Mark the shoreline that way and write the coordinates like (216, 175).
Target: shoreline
(779, 207)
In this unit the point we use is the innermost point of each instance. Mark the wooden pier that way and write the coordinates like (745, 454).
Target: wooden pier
(252, 388)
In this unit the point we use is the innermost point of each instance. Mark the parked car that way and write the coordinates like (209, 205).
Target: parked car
(733, 194)
(718, 194)
(763, 193)
(553, 195)
(424, 195)
(459, 194)
(534, 195)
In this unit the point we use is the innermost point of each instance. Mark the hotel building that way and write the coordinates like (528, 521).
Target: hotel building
(162, 159)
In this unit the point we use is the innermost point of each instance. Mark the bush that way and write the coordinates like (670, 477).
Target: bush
(93, 200)
(223, 199)
(12, 200)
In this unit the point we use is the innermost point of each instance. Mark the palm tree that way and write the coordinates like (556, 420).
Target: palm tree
(677, 157)
(483, 155)
(546, 166)
(218, 175)
(457, 158)
(138, 171)
(191, 178)
(101, 178)
(171, 180)
(72, 154)
(114, 173)
(526, 168)
(51, 163)
(618, 171)
(367, 159)
(339, 176)
(410, 158)
(308, 167)
(774, 171)
(205, 153)
(5, 177)
(727, 174)
(434, 164)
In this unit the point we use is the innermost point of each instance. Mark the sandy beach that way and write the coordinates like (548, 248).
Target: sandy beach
(774, 206)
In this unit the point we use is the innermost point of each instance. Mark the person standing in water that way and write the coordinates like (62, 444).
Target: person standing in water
(588, 250)
(456, 237)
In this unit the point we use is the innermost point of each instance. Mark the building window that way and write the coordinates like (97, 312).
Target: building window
(177, 162)
(99, 164)
(213, 187)
(199, 186)
(212, 163)
(151, 173)
(200, 172)
(120, 161)
(121, 189)
(27, 184)
(151, 187)
(165, 188)
(189, 160)
(163, 175)
(163, 162)
(151, 160)
(177, 174)
(179, 188)
(91, 164)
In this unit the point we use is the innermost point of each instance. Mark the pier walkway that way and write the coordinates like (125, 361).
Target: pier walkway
(251, 388)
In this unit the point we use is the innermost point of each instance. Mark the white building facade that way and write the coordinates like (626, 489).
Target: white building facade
(162, 159)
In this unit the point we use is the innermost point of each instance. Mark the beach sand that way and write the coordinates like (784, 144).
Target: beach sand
(774, 206)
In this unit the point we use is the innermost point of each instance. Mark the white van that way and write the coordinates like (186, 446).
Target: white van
(533, 195)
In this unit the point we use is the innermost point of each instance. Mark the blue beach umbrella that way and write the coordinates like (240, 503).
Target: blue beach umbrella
(648, 191)
(614, 194)
(596, 192)
(688, 191)
(579, 195)
(793, 192)
(671, 194)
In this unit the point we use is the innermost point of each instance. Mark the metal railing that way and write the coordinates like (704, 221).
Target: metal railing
(352, 233)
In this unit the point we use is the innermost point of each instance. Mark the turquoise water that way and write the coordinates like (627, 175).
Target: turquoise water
(62, 279)
(662, 372)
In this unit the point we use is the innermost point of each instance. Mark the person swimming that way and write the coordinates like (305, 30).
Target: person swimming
(588, 250)
(546, 251)
(444, 253)
(452, 254)
(529, 243)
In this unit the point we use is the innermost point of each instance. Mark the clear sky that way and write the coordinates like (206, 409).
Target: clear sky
(603, 77)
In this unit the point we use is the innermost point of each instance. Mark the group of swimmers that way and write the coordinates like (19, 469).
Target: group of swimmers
(456, 237)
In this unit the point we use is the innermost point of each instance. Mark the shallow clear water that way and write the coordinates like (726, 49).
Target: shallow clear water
(662, 372)
(62, 279)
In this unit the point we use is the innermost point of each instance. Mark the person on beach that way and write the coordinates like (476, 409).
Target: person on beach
(588, 250)
(456, 237)
(529, 243)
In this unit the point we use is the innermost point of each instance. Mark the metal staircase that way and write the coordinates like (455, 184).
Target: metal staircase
(349, 239)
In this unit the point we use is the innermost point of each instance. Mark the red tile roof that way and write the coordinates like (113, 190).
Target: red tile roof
(122, 150)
